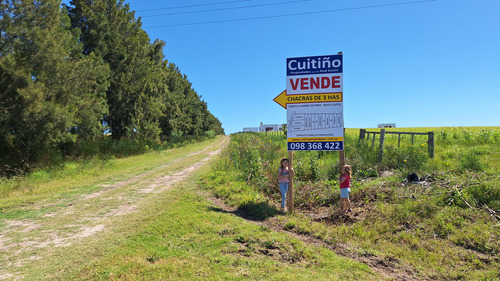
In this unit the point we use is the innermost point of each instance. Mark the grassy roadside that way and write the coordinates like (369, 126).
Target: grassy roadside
(82, 177)
(182, 236)
(444, 228)
(173, 235)
(71, 205)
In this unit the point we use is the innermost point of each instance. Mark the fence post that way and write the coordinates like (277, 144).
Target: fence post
(430, 143)
(342, 154)
(399, 140)
(341, 159)
(362, 133)
(373, 140)
(381, 146)
(289, 194)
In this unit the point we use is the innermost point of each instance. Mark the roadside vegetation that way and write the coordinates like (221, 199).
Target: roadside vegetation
(184, 237)
(445, 227)
(90, 162)
(123, 219)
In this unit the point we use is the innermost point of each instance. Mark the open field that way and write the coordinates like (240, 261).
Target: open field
(446, 227)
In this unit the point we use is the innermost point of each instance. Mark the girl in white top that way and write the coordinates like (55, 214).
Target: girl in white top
(285, 173)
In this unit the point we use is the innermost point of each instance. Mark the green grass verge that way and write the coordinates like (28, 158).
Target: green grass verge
(81, 177)
(445, 229)
(174, 235)
(182, 236)
(187, 238)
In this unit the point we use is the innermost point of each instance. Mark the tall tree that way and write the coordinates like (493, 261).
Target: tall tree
(48, 89)
(134, 97)
(185, 112)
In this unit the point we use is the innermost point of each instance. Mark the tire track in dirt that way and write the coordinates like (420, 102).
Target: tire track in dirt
(25, 241)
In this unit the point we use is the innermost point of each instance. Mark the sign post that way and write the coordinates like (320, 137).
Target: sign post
(313, 100)
(289, 195)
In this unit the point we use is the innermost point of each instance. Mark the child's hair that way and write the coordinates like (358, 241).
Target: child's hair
(283, 160)
(347, 169)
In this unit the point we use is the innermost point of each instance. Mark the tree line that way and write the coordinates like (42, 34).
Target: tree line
(74, 72)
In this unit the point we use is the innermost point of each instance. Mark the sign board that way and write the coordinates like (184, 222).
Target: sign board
(283, 99)
(314, 103)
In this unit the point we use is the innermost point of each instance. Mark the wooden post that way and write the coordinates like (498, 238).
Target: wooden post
(381, 146)
(341, 159)
(373, 140)
(362, 133)
(342, 154)
(430, 143)
(399, 140)
(412, 137)
(289, 194)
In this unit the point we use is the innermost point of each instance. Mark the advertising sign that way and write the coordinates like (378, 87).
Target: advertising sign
(314, 103)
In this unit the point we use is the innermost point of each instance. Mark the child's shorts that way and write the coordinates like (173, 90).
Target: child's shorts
(344, 192)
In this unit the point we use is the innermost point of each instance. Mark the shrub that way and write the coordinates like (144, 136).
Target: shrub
(476, 238)
(407, 157)
(306, 166)
(486, 193)
(470, 161)
(210, 134)
(315, 194)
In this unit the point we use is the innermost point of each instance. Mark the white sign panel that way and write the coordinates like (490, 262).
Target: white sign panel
(318, 125)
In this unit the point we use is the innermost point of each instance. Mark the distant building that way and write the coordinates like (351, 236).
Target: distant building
(387, 125)
(251, 129)
(270, 127)
(265, 128)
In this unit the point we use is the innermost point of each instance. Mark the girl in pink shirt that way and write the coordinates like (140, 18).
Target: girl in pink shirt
(345, 184)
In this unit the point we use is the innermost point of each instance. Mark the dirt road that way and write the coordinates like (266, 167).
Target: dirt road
(70, 220)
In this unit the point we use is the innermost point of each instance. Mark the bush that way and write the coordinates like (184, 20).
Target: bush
(315, 194)
(470, 161)
(476, 238)
(408, 157)
(306, 166)
(486, 193)
(210, 134)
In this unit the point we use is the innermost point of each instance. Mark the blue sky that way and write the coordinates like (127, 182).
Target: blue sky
(413, 63)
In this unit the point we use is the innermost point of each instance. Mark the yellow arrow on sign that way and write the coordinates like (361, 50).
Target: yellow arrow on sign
(283, 99)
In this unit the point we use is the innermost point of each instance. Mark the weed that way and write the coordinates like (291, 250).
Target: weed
(474, 238)
(470, 161)
(289, 225)
(442, 227)
(366, 173)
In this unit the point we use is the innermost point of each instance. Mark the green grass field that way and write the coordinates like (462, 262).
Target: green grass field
(444, 228)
